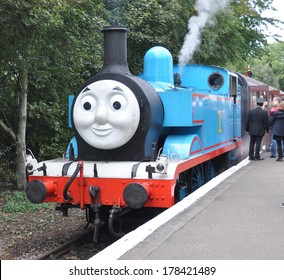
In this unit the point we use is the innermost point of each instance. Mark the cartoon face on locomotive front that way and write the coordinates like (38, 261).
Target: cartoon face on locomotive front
(116, 116)
(106, 114)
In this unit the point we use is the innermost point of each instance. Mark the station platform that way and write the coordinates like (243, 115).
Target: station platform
(235, 216)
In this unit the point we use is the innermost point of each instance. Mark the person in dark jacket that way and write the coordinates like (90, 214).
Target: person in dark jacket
(277, 123)
(257, 124)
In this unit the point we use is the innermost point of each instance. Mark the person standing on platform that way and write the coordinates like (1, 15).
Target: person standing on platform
(273, 110)
(277, 124)
(256, 125)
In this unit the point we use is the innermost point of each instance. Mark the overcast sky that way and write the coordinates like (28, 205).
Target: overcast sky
(279, 14)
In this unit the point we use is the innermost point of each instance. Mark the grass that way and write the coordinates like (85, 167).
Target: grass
(16, 201)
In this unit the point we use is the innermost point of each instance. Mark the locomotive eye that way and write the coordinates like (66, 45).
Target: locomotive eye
(88, 103)
(116, 105)
(118, 102)
(87, 106)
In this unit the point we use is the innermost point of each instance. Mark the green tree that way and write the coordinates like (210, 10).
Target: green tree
(237, 34)
(234, 33)
(151, 22)
(44, 45)
(49, 47)
(268, 68)
(277, 63)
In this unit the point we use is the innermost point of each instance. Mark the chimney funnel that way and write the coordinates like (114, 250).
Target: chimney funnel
(115, 49)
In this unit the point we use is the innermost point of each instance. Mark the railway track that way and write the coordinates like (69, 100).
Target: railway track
(82, 247)
(66, 248)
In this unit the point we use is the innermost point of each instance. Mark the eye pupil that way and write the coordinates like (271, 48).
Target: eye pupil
(87, 106)
(116, 105)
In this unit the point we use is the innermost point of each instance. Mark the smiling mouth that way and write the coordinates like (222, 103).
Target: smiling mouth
(102, 130)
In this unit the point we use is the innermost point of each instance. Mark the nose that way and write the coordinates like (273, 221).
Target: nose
(101, 114)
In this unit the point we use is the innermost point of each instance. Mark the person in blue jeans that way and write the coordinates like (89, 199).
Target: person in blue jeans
(277, 125)
(273, 110)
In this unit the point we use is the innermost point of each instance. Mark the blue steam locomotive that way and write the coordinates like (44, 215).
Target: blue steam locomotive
(144, 141)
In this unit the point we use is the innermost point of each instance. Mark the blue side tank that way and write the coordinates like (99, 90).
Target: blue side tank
(203, 113)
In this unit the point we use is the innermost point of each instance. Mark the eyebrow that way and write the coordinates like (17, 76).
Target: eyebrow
(86, 89)
(117, 88)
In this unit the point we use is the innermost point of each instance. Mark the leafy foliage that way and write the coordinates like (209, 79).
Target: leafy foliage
(6, 163)
(64, 49)
(270, 67)
(57, 44)
(151, 22)
(277, 63)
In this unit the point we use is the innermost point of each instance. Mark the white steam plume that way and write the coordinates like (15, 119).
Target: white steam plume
(206, 10)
